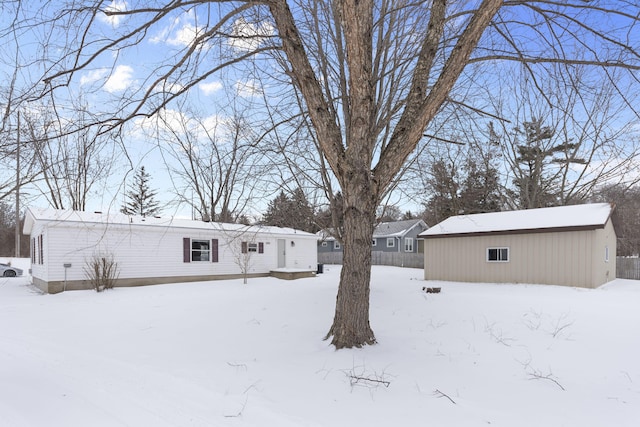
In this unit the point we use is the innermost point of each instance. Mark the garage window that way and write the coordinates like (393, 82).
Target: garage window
(498, 254)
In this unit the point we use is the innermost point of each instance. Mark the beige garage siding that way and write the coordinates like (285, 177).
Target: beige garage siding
(560, 258)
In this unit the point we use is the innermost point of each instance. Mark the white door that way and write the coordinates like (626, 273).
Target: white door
(282, 253)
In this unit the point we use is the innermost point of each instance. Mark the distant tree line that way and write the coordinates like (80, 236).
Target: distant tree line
(8, 234)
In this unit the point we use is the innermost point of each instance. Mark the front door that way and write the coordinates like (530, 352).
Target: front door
(282, 253)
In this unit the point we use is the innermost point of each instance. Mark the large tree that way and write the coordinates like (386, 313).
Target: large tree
(563, 135)
(215, 164)
(371, 75)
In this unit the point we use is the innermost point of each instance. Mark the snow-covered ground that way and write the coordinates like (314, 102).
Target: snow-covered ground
(228, 354)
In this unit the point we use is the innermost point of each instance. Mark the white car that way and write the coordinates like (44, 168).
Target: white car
(7, 271)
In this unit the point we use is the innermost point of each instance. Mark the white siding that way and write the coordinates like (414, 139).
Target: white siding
(151, 251)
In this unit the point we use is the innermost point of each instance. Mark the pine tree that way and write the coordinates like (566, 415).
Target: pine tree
(278, 211)
(539, 166)
(141, 199)
(480, 189)
(444, 185)
(294, 211)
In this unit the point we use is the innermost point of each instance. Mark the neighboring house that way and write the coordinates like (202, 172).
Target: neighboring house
(159, 250)
(568, 245)
(396, 236)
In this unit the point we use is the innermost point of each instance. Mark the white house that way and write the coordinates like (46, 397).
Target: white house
(567, 245)
(159, 250)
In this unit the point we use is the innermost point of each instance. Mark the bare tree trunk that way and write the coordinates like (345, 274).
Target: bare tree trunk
(351, 326)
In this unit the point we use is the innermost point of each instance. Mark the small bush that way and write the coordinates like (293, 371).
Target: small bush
(101, 272)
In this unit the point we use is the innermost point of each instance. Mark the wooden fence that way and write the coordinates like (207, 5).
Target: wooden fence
(397, 259)
(628, 268)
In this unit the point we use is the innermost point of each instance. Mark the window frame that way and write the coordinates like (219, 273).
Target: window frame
(336, 244)
(200, 250)
(499, 254)
(406, 241)
(251, 247)
(391, 242)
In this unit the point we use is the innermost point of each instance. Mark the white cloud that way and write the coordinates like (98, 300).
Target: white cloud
(184, 36)
(120, 79)
(247, 36)
(248, 88)
(170, 124)
(94, 76)
(165, 86)
(209, 88)
(181, 32)
(115, 6)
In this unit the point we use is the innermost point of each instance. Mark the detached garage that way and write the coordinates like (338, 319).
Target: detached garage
(159, 250)
(567, 245)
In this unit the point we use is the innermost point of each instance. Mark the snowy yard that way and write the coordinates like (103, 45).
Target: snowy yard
(228, 354)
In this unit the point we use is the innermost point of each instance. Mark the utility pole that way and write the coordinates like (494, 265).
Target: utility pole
(18, 189)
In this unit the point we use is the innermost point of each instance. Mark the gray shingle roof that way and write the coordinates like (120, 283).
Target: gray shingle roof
(395, 228)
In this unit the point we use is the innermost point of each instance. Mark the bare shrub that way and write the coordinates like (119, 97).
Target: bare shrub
(102, 272)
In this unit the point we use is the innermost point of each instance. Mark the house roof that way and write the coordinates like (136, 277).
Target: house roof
(81, 217)
(562, 218)
(396, 228)
(384, 229)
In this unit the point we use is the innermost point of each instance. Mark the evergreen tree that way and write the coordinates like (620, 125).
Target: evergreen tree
(277, 209)
(290, 211)
(303, 212)
(141, 199)
(538, 166)
(445, 187)
(480, 188)
(332, 217)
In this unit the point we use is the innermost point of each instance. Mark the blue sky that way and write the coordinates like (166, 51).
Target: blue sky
(125, 72)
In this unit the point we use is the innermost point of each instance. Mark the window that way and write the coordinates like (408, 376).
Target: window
(40, 249)
(606, 254)
(391, 242)
(336, 245)
(251, 247)
(498, 254)
(324, 244)
(373, 242)
(408, 244)
(200, 250)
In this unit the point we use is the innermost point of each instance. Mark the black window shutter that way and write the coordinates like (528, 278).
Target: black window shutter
(244, 247)
(260, 248)
(214, 250)
(186, 249)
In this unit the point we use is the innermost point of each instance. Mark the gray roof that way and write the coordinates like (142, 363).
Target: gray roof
(396, 228)
(384, 229)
